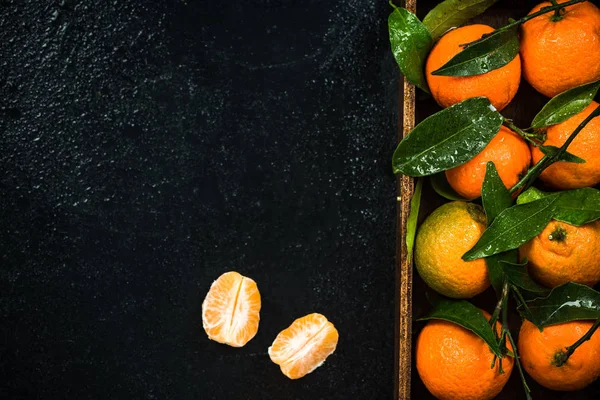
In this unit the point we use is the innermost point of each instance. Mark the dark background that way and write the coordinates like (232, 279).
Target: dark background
(146, 147)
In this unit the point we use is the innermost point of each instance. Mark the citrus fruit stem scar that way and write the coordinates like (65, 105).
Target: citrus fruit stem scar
(559, 234)
(557, 13)
(561, 357)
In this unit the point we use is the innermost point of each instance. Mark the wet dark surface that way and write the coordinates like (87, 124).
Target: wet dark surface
(148, 147)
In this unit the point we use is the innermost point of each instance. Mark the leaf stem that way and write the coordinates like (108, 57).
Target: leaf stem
(499, 305)
(519, 367)
(521, 301)
(503, 305)
(504, 324)
(549, 159)
(556, 16)
(564, 356)
(513, 345)
(544, 10)
(522, 133)
(502, 339)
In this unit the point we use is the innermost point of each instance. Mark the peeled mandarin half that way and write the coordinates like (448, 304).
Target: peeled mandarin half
(304, 345)
(230, 311)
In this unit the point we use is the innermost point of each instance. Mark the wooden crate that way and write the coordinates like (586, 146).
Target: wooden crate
(412, 303)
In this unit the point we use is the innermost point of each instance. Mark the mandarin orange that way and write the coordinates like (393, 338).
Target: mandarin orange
(455, 364)
(564, 253)
(567, 175)
(539, 352)
(510, 154)
(559, 53)
(499, 85)
(443, 238)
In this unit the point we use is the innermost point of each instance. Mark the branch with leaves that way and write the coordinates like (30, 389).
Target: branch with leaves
(458, 133)
(411, 40)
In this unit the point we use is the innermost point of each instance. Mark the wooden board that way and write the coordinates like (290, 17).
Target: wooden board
(406, 188)
(412, 302)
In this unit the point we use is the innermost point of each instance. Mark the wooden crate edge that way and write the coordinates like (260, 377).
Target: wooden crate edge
(405, 189)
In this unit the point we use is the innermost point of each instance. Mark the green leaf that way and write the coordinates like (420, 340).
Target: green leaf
(442, 187)
(566, 156)
(493, 52)
(578, 207)
(411, 223)
(453, 13)
(468, 316)
(530, 296)
(495, 270)
(568, 302)
(566, 104)
(496, 198)
(517, 274)
(513, 227)
(411, 42)
(521, 300)
(530, 195)
(448, 138)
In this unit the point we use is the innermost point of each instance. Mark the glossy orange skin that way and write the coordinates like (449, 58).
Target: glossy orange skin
(563, 175)
(576, 258)
(560, 55)
(510, 154)
(499, 85)
(538, 349)
(454, 363)
(448, 233)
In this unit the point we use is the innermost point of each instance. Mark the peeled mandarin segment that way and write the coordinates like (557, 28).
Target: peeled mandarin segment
(304, 345)
(231, 310)
(292, 339)
(313, 355)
